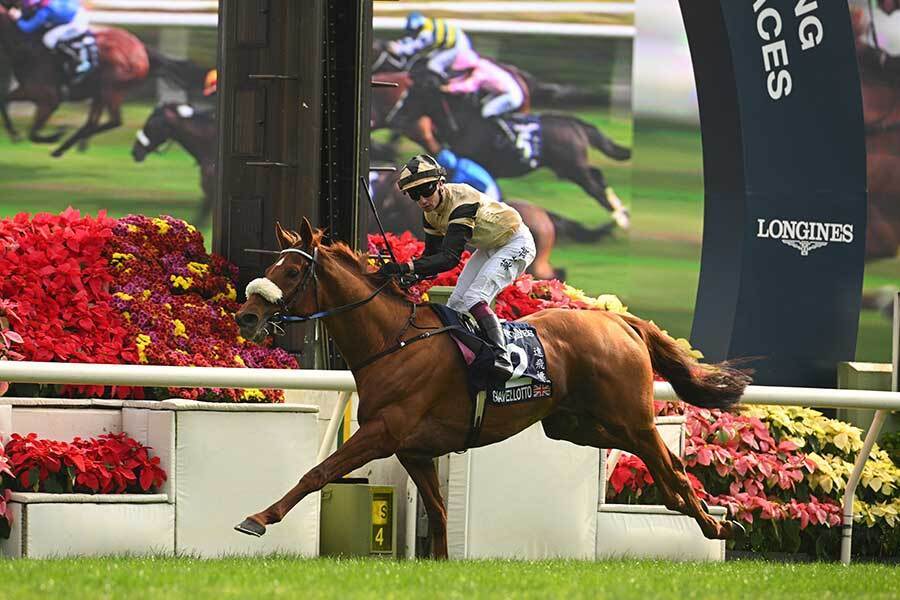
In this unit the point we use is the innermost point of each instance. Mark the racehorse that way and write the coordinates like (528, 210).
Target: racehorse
(565, 140)
(195, 131)
(124, 63)
(399, 214)
(413, 396)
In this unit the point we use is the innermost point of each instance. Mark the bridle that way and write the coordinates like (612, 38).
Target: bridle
(283, 317)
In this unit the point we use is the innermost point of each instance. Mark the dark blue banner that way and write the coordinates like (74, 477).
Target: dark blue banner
(785, 182)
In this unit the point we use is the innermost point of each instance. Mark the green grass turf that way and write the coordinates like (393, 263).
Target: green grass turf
(654, 269)
(104, 177)
(279, 577)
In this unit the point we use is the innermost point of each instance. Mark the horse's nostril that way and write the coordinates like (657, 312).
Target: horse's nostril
(246, 319)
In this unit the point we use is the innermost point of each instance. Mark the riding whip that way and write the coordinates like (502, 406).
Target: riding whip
(363, 184)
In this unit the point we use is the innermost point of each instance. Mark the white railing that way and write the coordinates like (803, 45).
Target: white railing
(342, 381)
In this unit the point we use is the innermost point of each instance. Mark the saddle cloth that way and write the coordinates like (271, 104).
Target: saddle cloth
(529, 381)
(527, 132)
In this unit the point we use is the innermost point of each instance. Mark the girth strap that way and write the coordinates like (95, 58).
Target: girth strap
(402, 344)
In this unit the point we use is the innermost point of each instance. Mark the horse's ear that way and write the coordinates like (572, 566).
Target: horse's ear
(306, 232)
(285, 238)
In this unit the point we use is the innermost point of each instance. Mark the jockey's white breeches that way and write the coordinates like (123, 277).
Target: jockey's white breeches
(509, 102)
(61, 33)
(489, 271)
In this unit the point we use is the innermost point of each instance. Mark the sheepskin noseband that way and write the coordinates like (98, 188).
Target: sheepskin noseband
(266, 288)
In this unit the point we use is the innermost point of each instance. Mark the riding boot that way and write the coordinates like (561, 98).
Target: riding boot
(493, 333)
(503, 126)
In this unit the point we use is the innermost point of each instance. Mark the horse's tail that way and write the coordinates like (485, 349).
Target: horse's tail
(575, 231)
(602, 143)
(706, 386)
(554, 94)
(182, 73)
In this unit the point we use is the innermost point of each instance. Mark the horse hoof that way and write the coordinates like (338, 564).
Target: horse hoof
(737, 530)
(56, 154)
(251, 527)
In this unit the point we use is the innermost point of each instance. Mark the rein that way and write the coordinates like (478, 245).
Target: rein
(282, 318)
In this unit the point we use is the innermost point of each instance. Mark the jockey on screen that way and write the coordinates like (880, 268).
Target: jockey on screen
(62, 23)
(435, 39)
(502, 93)
(454, 215)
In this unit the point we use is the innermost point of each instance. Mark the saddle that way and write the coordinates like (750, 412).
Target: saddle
(79, 57)
(529, 381)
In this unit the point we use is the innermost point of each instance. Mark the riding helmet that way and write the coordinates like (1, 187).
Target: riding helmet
(415, 21)
(420, 169)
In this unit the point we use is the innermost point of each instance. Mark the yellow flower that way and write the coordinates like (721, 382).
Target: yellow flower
(127, 316)
(239, 361)
(123, 296)
(162, 226)
(132, 228)
(253, 394)
(180, 330)
(181, 282)
(142, 341)
(198, 268)
(146, 294)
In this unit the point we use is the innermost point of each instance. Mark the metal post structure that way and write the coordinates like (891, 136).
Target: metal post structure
(871, 437)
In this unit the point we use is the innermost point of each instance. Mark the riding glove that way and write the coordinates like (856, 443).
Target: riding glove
(391, 269)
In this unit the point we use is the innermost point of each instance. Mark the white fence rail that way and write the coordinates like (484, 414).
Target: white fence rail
(342, 381)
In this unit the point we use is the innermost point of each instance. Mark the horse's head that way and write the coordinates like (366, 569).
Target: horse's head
(289, 285)
(159, 128)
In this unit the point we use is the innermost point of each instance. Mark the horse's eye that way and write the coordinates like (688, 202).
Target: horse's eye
(293, 272)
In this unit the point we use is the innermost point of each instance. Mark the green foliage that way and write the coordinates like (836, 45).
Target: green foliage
(890, 443)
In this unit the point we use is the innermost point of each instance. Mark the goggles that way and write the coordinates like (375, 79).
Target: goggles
(423, 190)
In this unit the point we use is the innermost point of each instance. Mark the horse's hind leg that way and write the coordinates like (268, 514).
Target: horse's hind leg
(592, 181)
(424, 475)
(584, 431)
(653, 451)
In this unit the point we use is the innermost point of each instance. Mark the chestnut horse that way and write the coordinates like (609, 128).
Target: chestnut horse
(124, 63)
(413, 400)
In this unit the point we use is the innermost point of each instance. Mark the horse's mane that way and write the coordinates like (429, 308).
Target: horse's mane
(359, 263)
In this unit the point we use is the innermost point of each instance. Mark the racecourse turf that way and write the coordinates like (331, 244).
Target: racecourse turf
(654, 269)
(282, 577)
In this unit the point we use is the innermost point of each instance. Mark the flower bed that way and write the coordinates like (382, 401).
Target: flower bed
(108, 464)
(781, 471)
(134, 290)
(6, 475)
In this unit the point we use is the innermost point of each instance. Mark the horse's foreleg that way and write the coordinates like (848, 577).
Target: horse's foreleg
(7, 122)
(424, 475)
(370, 442)
(85, 131)
(44, 107)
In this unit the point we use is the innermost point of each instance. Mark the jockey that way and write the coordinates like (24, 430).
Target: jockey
(503, 94)
(441, 42)
(456, 214)
(464, 170)
(64, 21)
